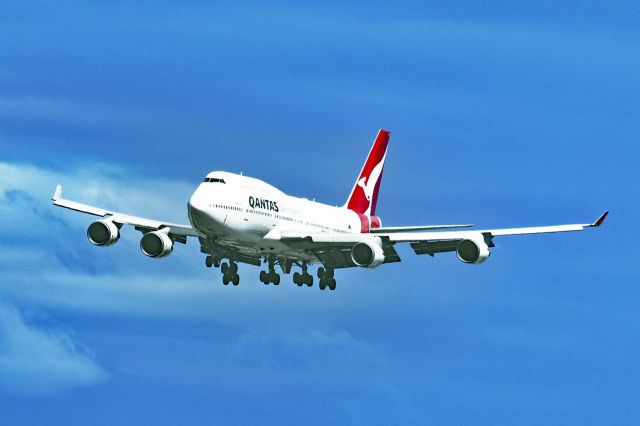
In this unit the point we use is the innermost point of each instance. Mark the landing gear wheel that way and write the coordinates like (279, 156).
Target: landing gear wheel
(208, 261)
(225, 279)
(235, 279)
(276, 279)
(332, 284)
(224, 268)
(309, 281)
(263, 278)
(216, 262)
(233, 268)
(323, 284)
(297, 278)
(320, 273)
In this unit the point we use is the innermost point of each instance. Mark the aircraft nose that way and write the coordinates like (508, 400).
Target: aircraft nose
(197, 201)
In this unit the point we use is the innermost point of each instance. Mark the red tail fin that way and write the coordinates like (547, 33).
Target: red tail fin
(364, 194)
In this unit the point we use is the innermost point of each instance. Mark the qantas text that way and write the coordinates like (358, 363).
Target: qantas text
(263, 204)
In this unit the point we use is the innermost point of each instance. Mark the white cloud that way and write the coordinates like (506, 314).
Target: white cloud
(105, 185)
(35, 361)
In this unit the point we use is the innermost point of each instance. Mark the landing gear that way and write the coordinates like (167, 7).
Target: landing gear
(303, 278)
(230, 273)
(326, 278)
(270, 277)
(210, 261)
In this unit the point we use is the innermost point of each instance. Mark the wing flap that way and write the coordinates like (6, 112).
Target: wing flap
(387, 229)
(431, 248)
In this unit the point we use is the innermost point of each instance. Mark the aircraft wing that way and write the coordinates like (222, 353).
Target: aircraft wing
(421, 242)
(459, 235)
(140, 223)
(387, 229)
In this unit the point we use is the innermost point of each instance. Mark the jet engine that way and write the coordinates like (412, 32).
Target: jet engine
(367, 254)
(156, 244)
(103, 233)
(473, 251)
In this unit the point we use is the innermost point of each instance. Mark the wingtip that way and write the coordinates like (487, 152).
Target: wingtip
(58, 193)
(601, 219)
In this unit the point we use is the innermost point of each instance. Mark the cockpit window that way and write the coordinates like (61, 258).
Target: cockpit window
(216, 180)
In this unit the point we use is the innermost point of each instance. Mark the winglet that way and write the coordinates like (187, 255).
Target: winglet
(600, 219)
(58, 194)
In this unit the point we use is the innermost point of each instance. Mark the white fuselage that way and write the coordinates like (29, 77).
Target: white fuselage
(240, 211)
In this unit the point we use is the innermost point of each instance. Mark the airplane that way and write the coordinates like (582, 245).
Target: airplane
(240, 219)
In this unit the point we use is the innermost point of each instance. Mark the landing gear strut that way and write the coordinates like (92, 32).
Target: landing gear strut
(326, 278)
(270, 277)
(230, 273)
(303, 278)
(210, 261)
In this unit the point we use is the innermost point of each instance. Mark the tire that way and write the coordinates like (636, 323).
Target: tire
(297, 277)
(332, 284)
(308, 280)
(224, 268)
(208, 261)
(276, 279)
(233, 268)
(225, 279)
(263, 278)
(235, 279)
(320, 273)
(322, 284)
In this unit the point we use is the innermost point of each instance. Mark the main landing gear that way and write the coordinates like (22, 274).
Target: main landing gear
(230, 273)
(210, 261)
(303, 278)
(326, 279)
(270, 277)
(229, 270)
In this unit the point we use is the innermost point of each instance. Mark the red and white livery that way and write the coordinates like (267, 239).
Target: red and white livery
(239, 219)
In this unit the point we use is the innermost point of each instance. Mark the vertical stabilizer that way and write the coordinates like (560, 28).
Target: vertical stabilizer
(364, 194)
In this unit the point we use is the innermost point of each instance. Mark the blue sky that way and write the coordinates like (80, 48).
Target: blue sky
(501, 114)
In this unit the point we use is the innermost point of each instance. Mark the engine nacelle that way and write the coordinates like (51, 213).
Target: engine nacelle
(156, 244)
(473, 251)
(103, 233)
(367, 254)
(375, 222)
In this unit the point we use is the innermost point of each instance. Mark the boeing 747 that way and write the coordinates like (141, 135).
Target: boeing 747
(239, 219)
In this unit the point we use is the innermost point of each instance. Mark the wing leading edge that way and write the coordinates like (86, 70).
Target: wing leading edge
(422, 242)
(139, 223)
